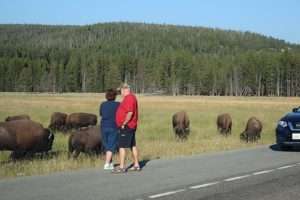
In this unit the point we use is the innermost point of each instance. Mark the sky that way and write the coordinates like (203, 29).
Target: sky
(277, 18)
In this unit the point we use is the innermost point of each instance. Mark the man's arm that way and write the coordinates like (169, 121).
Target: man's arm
(127, 119)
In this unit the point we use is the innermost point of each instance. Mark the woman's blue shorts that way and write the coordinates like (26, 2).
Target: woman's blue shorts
(109, 138)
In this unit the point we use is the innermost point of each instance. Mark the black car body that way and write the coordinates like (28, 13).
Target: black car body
(288, 130)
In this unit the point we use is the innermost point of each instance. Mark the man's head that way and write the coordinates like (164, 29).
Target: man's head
(124, 89)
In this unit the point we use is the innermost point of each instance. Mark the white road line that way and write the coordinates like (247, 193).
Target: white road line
(226, 180)
(166, 194)
(237, 178)
(203, 185)
(285, 167)
(264, 172)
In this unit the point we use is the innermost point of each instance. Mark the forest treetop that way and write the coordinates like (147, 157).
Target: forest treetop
(152, 58)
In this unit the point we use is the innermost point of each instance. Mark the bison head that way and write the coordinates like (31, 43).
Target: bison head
(243, 136)
(182, 132)
(48, 140)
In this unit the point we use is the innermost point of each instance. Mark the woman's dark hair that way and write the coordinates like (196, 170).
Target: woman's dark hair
(111, 94)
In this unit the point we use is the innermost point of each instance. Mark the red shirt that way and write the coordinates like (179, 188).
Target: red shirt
(129, 104)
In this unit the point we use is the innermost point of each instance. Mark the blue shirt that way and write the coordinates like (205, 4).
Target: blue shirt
(107, 112)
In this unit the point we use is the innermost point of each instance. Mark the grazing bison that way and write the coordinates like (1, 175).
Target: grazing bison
(78, 120)
(252, 131)
(224, 123)
(58, 121)
(24, 137)
(181, 124)
(87, 140)
(17, 117)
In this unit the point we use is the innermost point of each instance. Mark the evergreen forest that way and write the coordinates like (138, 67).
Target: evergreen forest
(152, 58)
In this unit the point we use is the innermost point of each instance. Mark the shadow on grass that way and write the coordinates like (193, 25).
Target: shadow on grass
(32, 157)
(276, 147)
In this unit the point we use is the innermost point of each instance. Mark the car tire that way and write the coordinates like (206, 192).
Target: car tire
(285, 147)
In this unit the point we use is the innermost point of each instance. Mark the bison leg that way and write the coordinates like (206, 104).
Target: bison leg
(70, 153)
(17, 155)
(257, 137)
(99, 150)
(89, 151)
(223, 131)
(29, 154)
(226, 132)
(44, 154)
(252, 138)
(76, 153)
(69, 127)
(64, 129)
(14, 155)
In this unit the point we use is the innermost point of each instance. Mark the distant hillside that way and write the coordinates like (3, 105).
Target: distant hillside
(170, 59)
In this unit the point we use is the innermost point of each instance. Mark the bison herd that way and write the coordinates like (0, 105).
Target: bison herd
(181, 123)
(25, 137)
(63, 122)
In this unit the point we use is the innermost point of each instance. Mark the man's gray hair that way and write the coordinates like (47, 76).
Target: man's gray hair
(123, 86)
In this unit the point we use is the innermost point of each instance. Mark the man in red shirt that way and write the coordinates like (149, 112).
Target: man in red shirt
(126, 120)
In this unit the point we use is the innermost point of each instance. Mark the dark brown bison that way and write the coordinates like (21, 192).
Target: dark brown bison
(252, 131)
(181, 125)
(87, 140)
(224, 124)
(58, 121)
(24, 137)
(17, 117)
(78, 120)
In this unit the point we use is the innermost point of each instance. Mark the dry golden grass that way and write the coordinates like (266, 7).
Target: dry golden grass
(155, 137)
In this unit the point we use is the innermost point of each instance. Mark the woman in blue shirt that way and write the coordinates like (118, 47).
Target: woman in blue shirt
(109, 129)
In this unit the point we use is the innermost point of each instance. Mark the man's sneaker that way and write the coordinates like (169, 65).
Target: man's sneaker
(108, 166)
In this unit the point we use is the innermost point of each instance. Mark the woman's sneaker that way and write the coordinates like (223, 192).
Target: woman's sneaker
(111, 165)
(108, 166)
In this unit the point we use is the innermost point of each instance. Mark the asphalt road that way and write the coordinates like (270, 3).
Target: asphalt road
(280, 183)
(256, 173)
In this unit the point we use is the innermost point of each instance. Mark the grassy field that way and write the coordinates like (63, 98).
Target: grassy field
(155, 137)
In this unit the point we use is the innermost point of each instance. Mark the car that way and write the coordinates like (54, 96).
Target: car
(288, 130)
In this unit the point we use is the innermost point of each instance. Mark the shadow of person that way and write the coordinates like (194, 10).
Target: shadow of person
(142, 164)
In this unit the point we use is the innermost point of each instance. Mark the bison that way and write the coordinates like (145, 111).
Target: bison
(87, 140)
(24, 137)
(58, 121)
(252, 131)
(78, 120)
(224, 124)
(181, 124)
(17, 117)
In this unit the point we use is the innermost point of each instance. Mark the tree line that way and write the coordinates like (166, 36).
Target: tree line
(176, 60)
